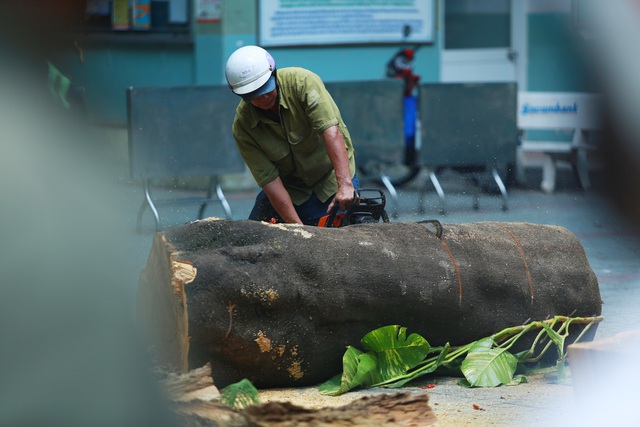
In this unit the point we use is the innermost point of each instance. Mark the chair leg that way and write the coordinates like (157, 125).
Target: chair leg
(502, 187)
(214, 186)
(392, 192)
(438, 187)
(148, 201)
(581, 167)
(223, 200)
(548, 184)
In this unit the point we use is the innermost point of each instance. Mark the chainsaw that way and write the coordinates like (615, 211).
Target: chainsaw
(367, 207)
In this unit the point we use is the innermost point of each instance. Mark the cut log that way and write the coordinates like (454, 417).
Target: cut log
(278, 304)
(197, 384)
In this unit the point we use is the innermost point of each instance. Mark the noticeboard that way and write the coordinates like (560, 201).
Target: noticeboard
(334, 22)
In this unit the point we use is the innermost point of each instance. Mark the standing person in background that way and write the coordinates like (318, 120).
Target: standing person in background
(292, 137)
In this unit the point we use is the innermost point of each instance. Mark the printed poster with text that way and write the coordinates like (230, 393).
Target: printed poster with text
(315, 22)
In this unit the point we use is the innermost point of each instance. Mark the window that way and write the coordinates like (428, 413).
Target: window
(136, 16)
(472, 24)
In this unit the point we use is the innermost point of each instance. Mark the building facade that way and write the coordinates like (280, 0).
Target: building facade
(532, 42)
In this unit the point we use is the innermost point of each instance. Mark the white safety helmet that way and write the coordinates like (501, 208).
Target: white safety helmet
(248, 69)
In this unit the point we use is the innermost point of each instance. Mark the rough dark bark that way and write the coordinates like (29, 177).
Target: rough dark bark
(278, 304)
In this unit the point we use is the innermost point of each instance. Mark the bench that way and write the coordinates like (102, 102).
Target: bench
(469, 128)
(571, 112)
(374, 114)
(182, 131)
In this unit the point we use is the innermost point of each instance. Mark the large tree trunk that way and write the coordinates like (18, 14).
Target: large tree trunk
(278, 304)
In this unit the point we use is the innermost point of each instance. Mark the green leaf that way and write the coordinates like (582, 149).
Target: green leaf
(519, 379)
(557, 339)
(482, 344)
(524, 356)
(240, 395)
(443, 354)
(350, 362)
(537, 369)
(424, 370)
(367, 371)
(396, 352)
(358, 369)
(489, 367)
(330, 386)
(464, 383)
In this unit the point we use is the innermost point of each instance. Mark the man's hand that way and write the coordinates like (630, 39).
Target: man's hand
(338, 154)
(281, 201)
(344, 197)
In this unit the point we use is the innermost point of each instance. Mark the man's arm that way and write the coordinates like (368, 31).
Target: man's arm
(338, 154)
(281, 201)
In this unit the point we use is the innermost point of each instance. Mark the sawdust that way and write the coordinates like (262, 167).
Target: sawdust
(293, 228)
(267, 296)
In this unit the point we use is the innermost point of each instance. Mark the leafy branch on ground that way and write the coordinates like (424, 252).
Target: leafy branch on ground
(391, 359)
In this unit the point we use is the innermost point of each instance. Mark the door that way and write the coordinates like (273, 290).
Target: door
(484, 41)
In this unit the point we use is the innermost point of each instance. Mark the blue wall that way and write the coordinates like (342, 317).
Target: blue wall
(355, 63)
(555, 62)
(332, 63)
(109, 68)
(106, 71)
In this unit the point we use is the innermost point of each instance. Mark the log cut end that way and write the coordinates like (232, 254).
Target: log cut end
(162, 310)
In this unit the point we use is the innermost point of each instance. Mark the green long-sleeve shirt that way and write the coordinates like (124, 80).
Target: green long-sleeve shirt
(293, 148)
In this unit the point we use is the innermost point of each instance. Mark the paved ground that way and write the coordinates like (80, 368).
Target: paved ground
(612, 245)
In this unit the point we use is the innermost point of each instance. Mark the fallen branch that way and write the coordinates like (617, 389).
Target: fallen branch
(392, 359)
